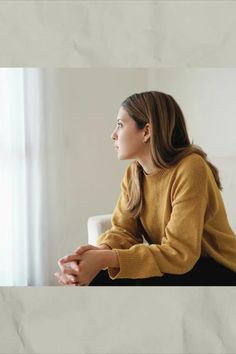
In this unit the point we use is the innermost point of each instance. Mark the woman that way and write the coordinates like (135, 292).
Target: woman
(170, 195)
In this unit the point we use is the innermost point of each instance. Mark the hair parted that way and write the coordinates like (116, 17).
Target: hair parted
(169, 141)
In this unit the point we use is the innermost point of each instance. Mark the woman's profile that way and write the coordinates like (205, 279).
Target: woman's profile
(170, 197)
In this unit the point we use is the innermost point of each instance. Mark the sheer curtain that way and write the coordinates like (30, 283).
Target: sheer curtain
(23, 187)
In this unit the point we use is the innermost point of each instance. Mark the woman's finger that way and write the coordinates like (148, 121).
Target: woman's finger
(70, 265)
(69, 258)
(66, 279)
(70, 271)
(83, 248)
(75, 265)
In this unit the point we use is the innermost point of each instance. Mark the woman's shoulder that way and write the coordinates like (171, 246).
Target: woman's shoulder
(190, 177)
(192, 165)
(193, 159)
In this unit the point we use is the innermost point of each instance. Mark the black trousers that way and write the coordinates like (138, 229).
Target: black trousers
(206, 272)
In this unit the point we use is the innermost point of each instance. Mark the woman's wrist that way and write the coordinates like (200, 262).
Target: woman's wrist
(109, 259)
(104, 246)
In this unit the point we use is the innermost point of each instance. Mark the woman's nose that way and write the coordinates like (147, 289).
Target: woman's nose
(113, 137)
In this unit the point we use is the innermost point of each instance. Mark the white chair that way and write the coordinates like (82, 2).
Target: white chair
(97, 225)
(227, 168)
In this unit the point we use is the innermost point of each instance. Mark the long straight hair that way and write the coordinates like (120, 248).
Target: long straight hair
(169, 141)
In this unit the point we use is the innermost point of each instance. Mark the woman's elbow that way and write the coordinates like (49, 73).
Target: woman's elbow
(187, 263)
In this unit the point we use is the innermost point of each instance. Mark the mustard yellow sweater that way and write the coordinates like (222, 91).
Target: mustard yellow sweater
(184, 217)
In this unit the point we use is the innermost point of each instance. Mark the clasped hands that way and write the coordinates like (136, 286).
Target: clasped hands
(82, 266)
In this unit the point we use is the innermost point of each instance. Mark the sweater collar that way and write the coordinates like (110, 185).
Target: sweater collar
(159, 173)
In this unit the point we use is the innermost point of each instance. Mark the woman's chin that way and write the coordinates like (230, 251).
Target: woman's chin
(119, 156)
(122, 156)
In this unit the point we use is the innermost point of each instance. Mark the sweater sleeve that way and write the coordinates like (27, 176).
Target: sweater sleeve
(124, 230)
(180, 247)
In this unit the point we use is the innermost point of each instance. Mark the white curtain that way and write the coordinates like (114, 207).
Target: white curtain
(23, 187)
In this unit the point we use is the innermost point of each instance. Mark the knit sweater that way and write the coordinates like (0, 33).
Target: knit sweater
(183, 216)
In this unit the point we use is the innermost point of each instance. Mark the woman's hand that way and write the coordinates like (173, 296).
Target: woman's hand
(70, 278)
(90, 264)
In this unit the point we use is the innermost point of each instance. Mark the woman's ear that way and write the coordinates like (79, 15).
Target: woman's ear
(147, 133)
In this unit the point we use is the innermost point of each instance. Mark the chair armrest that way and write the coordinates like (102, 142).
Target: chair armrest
(97, 225)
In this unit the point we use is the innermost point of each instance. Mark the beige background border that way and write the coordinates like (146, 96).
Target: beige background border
(117, 34)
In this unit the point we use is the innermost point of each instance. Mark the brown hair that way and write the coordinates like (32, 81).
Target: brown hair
(169, 142)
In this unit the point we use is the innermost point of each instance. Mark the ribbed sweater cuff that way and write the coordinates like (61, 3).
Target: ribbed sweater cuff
(130, 267)
(125, 260)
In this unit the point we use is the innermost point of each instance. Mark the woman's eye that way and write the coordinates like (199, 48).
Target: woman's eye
(119, 124)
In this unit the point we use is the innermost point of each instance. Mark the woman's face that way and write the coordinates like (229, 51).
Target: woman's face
(128, 139)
